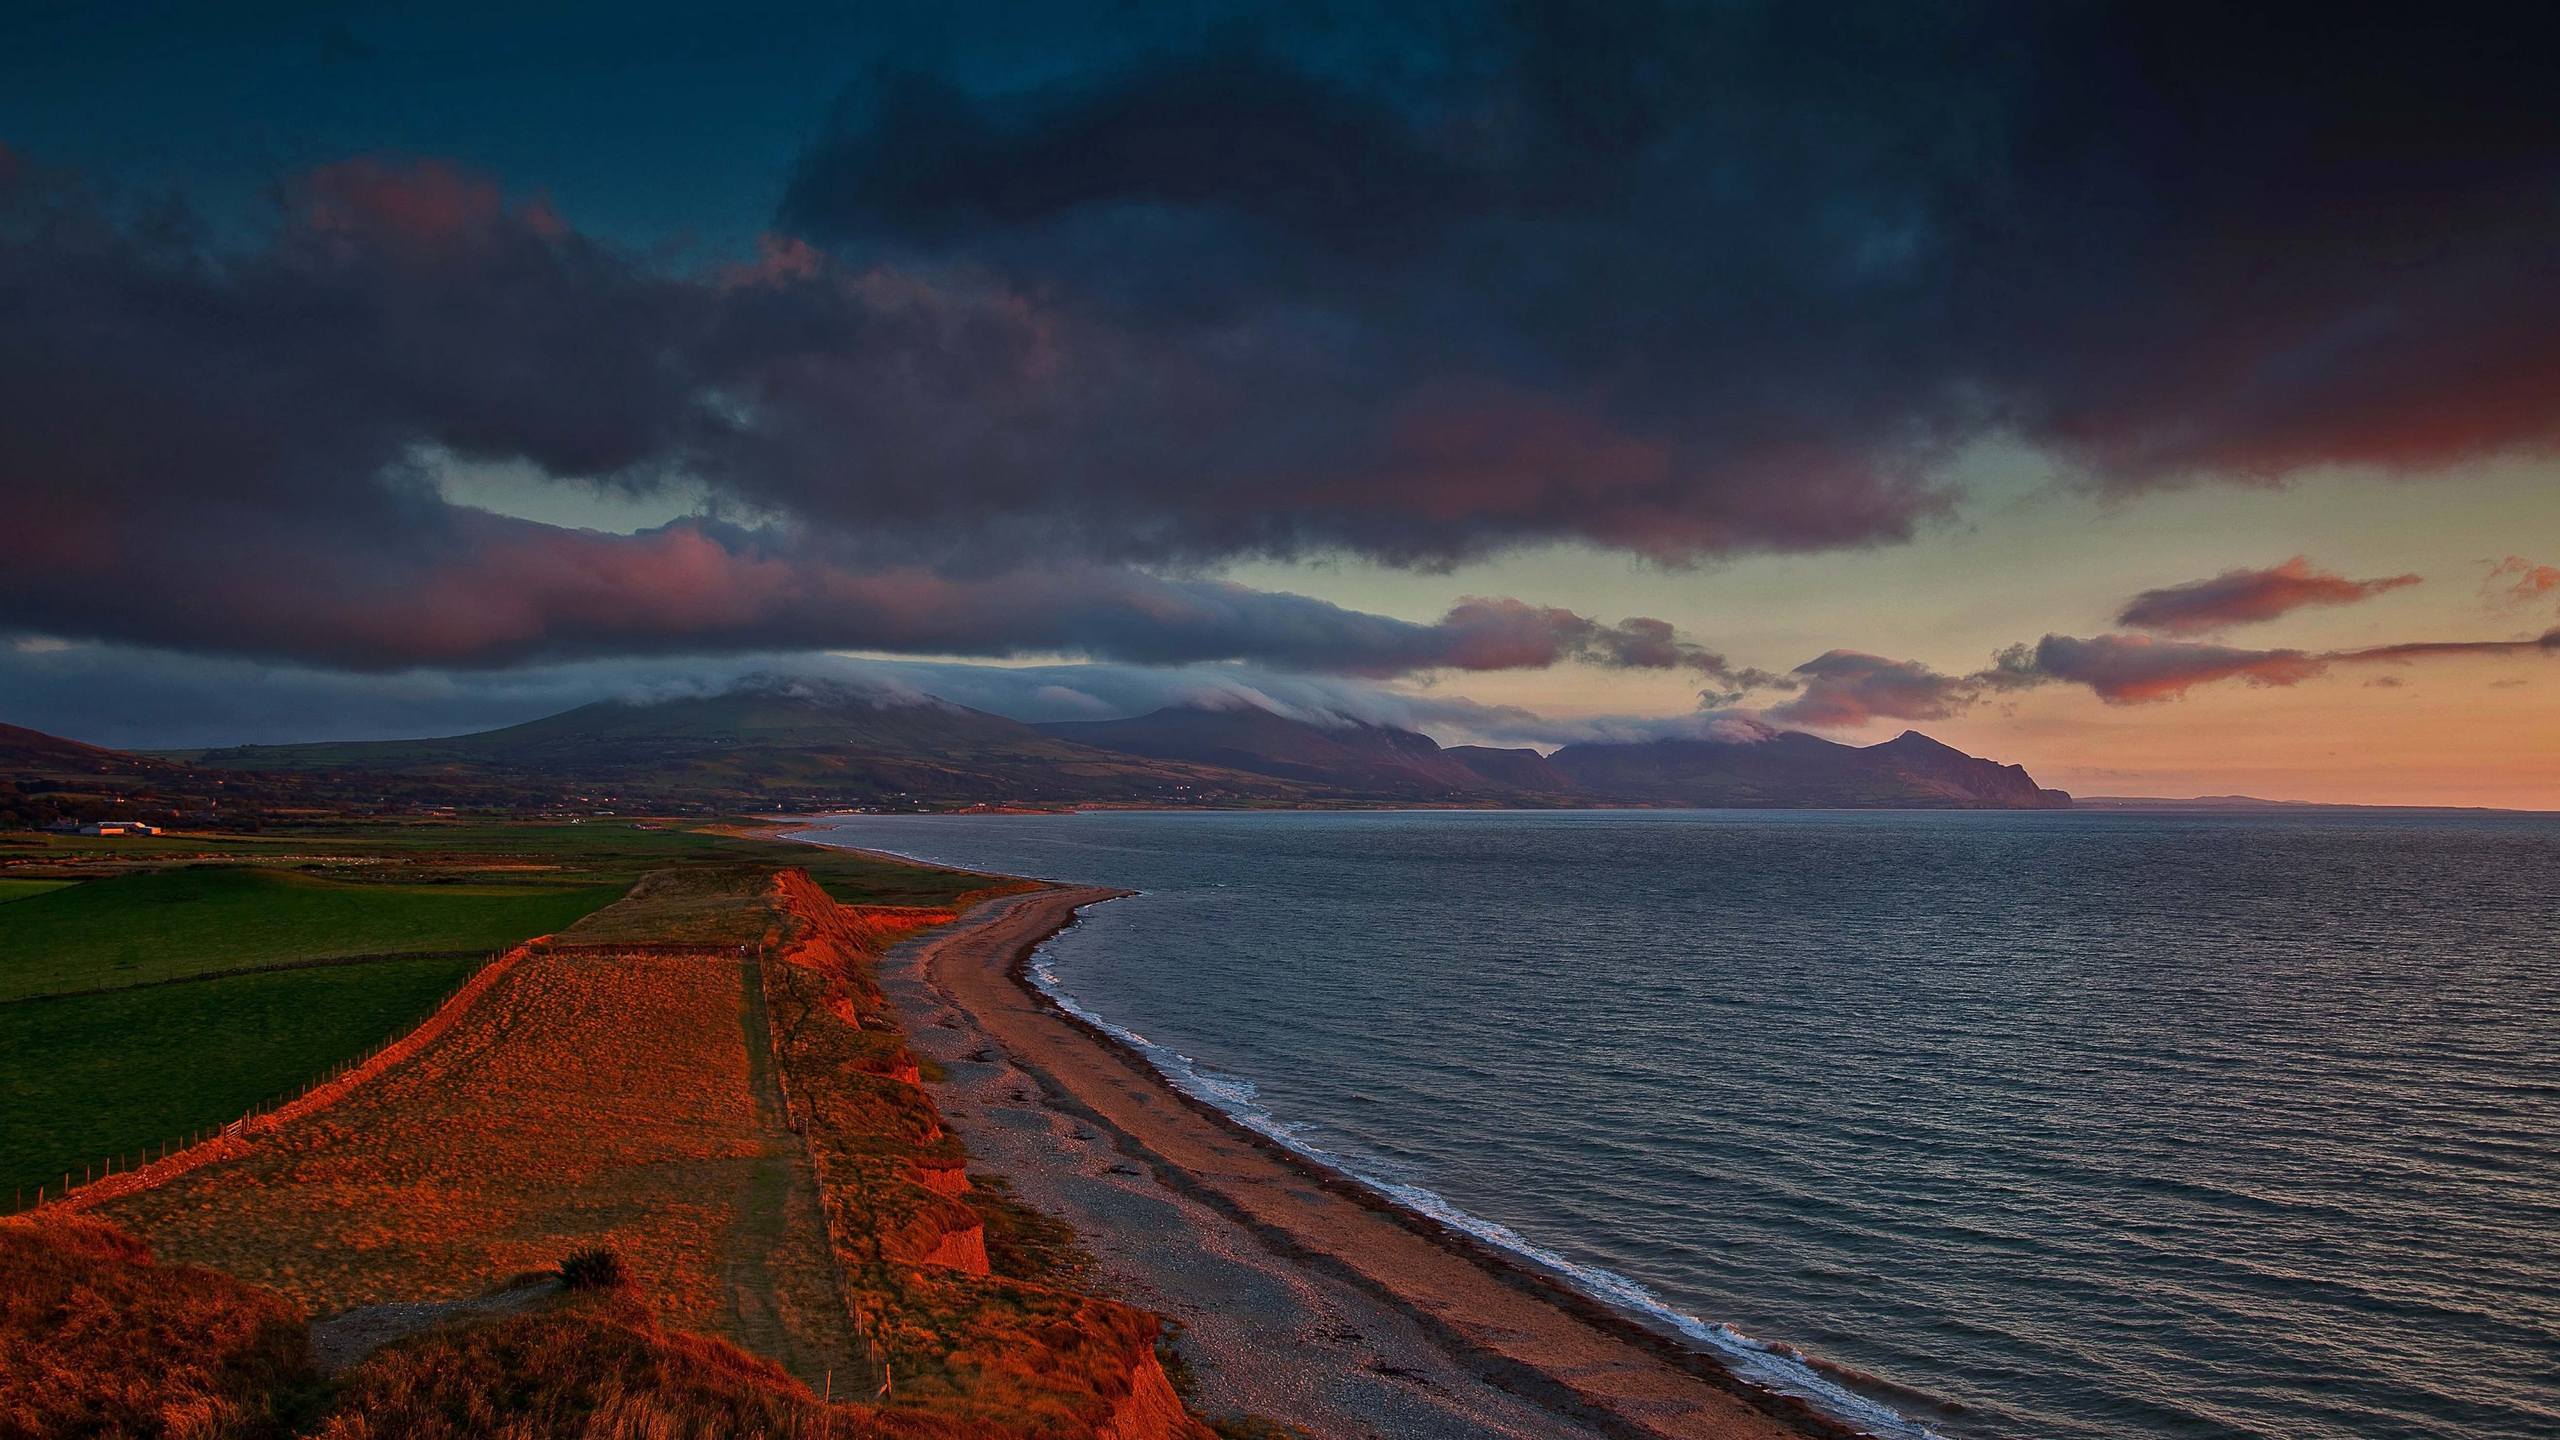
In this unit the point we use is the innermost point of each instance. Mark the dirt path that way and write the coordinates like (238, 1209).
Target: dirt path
(1305, 1303)
(778, 1239)
(347, 1337)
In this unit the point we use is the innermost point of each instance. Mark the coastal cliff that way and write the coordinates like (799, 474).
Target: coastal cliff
(1012, 1349)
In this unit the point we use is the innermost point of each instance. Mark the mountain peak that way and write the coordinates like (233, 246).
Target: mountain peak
(1913, 742)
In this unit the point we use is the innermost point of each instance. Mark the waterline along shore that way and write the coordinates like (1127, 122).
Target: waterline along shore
(1996, 1124)
(1472, 1343)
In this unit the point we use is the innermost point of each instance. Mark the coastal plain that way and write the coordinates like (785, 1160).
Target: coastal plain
(683, 1132)
(709, 1078)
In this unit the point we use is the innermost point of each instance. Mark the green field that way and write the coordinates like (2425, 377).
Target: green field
(616, 852)
(167, 924)
(87, 1076)
(125, 1019)
(22, 889)
(623, 852)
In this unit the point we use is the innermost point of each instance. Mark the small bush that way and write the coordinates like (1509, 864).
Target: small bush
(593, 1269)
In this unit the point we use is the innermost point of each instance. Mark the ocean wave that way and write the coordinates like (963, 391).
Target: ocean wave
(1780, 1368)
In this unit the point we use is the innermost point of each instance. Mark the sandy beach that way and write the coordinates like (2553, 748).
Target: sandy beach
(1303, 1299)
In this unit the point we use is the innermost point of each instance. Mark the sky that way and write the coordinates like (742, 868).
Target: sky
(2161, 397)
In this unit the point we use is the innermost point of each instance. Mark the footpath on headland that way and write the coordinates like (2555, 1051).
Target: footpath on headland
(700, 1094)
(1523, 1340)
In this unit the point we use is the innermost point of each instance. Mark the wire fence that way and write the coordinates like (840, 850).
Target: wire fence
(90, 1172)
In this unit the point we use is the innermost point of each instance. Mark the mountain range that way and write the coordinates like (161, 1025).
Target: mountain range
(804, 746)
(1780, 768)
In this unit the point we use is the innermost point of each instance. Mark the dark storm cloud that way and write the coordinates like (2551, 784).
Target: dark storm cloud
(1051, 328)
(489, 590)
(221, 451)
(1689, 279)
(2239, 597)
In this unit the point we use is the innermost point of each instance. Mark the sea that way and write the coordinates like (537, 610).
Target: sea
(2078, 1124)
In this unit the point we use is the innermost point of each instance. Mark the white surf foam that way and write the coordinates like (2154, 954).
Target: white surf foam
(1777, 1368)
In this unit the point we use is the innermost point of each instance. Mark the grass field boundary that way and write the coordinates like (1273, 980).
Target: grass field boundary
(103, 1181)
(325, 962)
(572, 945)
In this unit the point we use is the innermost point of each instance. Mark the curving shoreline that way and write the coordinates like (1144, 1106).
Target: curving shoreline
(1519, 1335)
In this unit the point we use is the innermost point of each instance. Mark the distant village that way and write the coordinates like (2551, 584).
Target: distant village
(102, 827)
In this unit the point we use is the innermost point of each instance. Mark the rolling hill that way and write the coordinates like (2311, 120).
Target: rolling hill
(779, 746)
(45, 778)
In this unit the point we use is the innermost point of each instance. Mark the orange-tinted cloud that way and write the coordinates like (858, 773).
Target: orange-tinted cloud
(2238, 597)
(423, 202)
(2136, 669)
(2519, 581)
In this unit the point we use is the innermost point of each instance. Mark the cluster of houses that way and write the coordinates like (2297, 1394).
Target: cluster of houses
(102, 827)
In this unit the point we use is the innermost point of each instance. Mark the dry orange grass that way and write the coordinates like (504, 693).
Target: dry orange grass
(96, 1340)
(597, 1370)
(752, 1141)
(590, 1098)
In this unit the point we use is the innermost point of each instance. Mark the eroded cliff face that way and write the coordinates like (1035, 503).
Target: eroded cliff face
(1149, 1409)
(1003, 1353)
(942, 1179)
